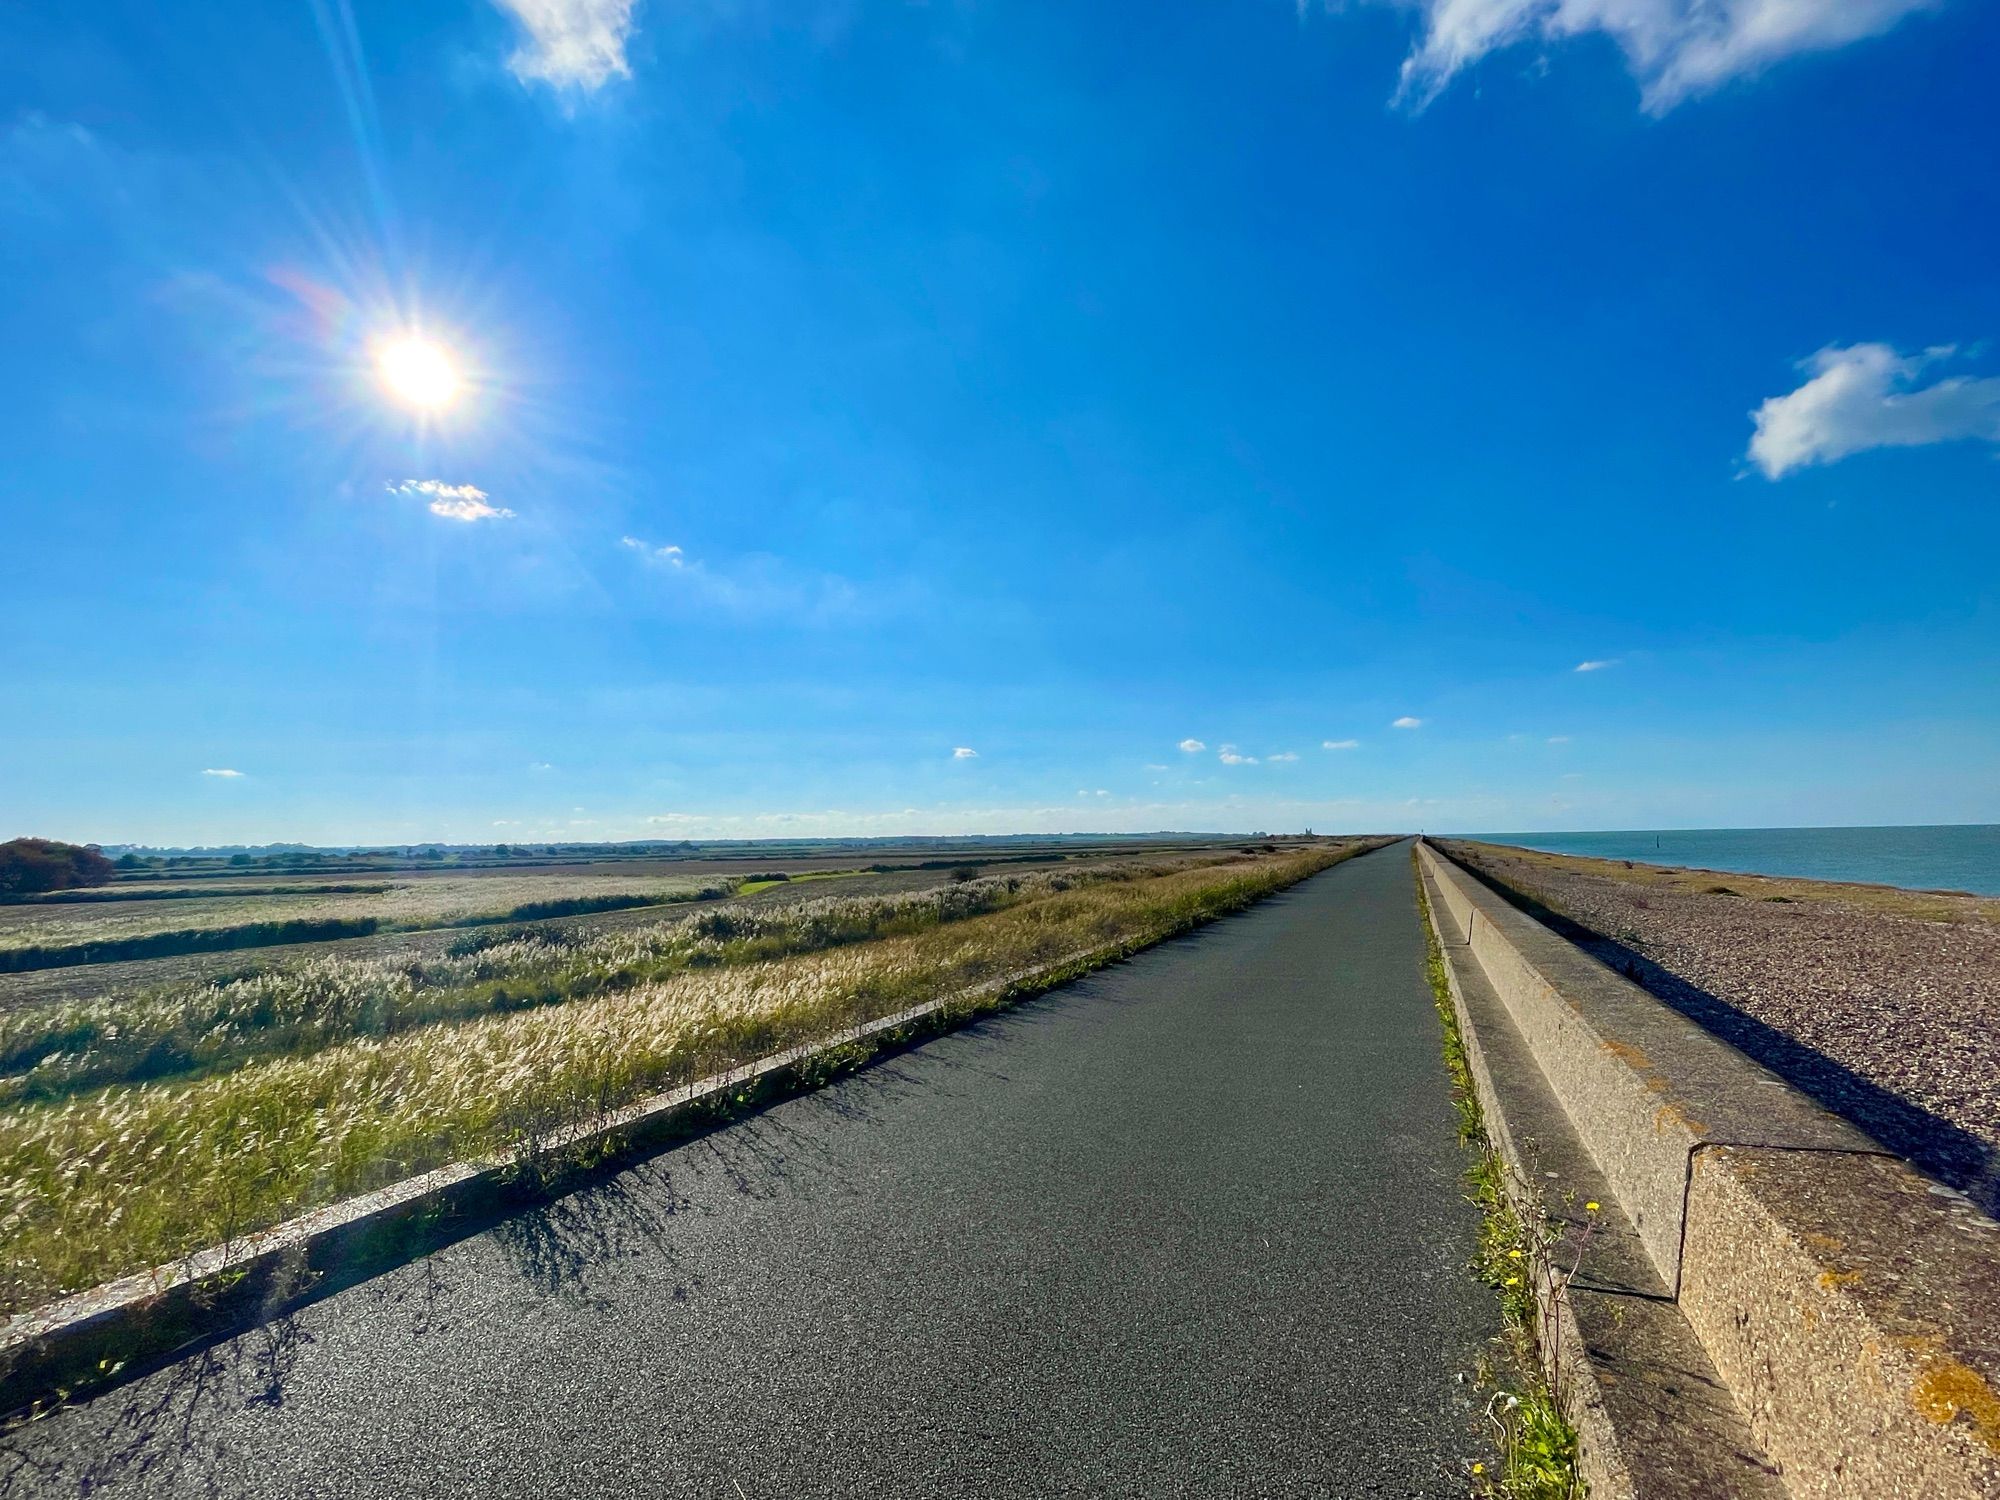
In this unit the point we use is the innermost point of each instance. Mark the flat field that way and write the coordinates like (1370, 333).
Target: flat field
(138, 1126)
(73, 931)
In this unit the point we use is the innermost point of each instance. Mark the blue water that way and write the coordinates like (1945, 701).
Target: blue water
(1952, 857)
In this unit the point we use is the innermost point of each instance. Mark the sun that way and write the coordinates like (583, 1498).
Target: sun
(417, 372)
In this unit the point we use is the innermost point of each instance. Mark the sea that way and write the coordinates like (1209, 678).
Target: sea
(1946, 857)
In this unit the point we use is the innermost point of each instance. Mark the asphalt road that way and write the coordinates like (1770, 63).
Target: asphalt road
(1193, 1226)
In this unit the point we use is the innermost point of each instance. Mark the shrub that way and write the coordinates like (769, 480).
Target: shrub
(30, 865)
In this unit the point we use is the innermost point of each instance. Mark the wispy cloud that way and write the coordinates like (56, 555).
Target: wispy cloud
(668, 556)
(1603, 665)
(1283, 755)
(964, 752)
(1867, 396)
(1558, 739)
(1149, 766)
(754, 586)
(1192, 746)
(1340, 744)
(455, 502)
(1674, 48)
(571, 43)
(224, 772)
(1408, 721)
(1231, 756)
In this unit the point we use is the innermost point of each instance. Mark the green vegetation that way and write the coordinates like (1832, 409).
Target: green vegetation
(31, 865)
(752, 884)
(99, 1180)
(49, 1052)
(1537, 1443)
(49, 937)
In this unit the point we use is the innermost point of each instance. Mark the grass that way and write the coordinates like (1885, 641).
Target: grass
(1538, 1446)
(49, 937)
(53, 1051)
(756, 883)
(118, 1178)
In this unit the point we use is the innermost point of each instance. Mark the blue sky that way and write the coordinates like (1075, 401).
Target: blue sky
(1224, 416)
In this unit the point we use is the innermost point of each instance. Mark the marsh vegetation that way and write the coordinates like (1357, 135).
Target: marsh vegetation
(137, 1128)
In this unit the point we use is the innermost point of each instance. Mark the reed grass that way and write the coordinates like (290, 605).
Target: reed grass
(124, 1177)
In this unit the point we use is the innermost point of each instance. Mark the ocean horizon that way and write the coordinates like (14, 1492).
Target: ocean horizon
(1937, 857)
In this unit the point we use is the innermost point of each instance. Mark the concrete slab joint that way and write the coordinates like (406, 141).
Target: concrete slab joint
(1847, 1305)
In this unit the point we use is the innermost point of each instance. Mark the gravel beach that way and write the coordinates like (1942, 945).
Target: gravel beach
(1883, 1004)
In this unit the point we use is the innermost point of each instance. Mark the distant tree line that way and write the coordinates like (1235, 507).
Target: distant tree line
(31, 865)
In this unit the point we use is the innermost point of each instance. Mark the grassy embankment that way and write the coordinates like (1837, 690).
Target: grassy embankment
(1537, 1444)
(50, 936)
(99, 1181)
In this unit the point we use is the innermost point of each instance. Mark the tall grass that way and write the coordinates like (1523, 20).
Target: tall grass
(52, 1051)
(129, 1176)
(46, 937)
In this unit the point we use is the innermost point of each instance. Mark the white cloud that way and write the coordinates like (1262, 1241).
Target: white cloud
(1674, 48)
(1283, 755)
(1558, 739)
(223, 772)
(571, 43)
(1232, 757)
(755, 586)
(1149, 766)
(1407, 722)
(668, 556)
(1192, 746)
(1100, 792)
(540, 765)
(1597, 666)
(964, 752)
(1340, 744)
(455, 502)
(1866, 396)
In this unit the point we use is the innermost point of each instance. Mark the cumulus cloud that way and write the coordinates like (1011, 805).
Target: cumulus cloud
(1340, 744)
(222, 771)
(455, 502)
(1407, 722)
(1674, 48)
(1231, 756)
(1193, 746)
(1868, 396)
(964, 752)
(571, 43)
(1597, 666)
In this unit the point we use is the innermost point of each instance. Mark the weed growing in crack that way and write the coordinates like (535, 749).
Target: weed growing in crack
(1529, 1262)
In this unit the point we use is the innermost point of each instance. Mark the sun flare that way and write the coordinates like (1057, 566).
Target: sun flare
(417, 372)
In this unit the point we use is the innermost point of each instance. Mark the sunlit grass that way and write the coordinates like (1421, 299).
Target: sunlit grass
(124, 1177)
(407, 906)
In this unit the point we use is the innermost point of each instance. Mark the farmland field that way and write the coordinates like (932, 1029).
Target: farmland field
(48, 934)
(138, 1126)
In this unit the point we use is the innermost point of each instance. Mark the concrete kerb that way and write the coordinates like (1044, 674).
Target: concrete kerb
(84, 1341)
(1850, 1305)
(1654, 1420)
(67, 1347)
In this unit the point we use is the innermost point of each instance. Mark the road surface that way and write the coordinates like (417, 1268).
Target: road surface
(1191, 1226)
